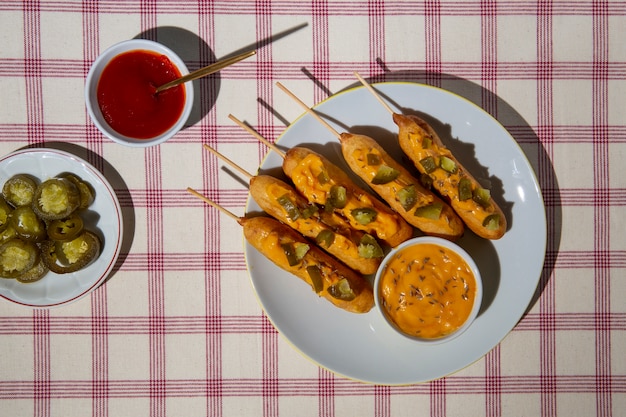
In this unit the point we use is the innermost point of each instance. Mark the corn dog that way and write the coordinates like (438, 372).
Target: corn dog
(468, 198)
(399, 188)
(280, 200)
(327, 277)
(322, 182)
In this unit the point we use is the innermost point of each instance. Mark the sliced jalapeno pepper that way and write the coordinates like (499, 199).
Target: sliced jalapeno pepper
(309, 211)
(337, 197)
(364, 215)
(447, 164)
(465, 189)
(325, 238)
(323, 177)
(87, 194)
(27, 224)
(482, 196)
(73, 255)
(342, 290)
(373, 159)
(317, 281)
(290, 208)
(37, 272)
(385, 174)
(65, 229)
(8, 233)
(407, 197)
(369, 248)
(428, 164)
(56, 198)
(295, 252)
(431, 211)
(492, 222)
(426, 181)
(5, 212)
(19, 190)
(17, 256)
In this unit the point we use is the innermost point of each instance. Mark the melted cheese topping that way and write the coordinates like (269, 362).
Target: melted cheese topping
(445, 182)
(427, 290)
(312, 226)
(396, 185)
(305, 177)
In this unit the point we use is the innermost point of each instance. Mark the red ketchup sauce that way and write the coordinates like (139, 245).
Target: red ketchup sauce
(127, 99)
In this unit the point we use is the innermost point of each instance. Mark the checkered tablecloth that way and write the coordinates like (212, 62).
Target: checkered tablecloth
(177, 329)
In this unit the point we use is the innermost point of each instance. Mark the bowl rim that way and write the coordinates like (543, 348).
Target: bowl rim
(420, 240)
(91, 83)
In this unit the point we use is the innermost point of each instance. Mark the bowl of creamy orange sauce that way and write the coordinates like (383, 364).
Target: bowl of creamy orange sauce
(428, 289)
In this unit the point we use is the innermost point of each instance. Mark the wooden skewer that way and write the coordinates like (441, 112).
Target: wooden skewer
(213, 68)
(214, 204)
(309, 110)
(257, 135)
(374, 92)
(231, 163)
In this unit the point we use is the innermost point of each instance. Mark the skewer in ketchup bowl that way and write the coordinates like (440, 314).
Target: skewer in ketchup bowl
(121, 97)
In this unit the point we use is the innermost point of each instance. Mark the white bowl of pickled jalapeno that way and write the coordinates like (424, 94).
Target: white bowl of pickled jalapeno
(428, 289)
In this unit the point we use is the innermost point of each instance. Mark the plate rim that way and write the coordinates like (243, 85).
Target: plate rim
(536, 190)
(40, 152)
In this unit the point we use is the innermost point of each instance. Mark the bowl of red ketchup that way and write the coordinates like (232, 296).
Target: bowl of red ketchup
(121, 98)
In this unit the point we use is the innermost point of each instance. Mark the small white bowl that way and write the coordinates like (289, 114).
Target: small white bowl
(91, 87)
(450, 246)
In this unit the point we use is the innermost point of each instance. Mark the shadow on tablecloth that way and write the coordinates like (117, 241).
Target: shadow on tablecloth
(196, 53)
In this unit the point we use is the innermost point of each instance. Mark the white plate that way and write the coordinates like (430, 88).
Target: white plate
(361, 347)
(54, 289)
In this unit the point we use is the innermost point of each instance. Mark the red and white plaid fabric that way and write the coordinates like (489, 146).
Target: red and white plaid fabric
(177, 330)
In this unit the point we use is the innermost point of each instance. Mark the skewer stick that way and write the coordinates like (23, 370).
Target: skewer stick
(374, 92)
(214, 204)
(309, 110)
(224, 158)
(257, 135)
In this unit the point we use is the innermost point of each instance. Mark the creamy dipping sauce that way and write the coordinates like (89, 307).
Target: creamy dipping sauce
(427, 290)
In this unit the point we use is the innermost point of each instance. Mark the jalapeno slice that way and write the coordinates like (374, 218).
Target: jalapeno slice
(37, 272)
(492, 222)
(447, 164)
(428, 164)
(5, 212)
(325, 238)
(364, 215)
(290, 208)
(65, 229)
(72, 255)
(19, 190)
(317, 281)
(337, 197)
(482, 196)
(17, 256)
(369, 248)
(309, 211)
(373, 159)
(431, 211)
(342, 290)
(385, 174)
(8, 233)
(465, 189)
(407, 197)
(87, 194)
(295, 252)
(56, 198)
(27, 224)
